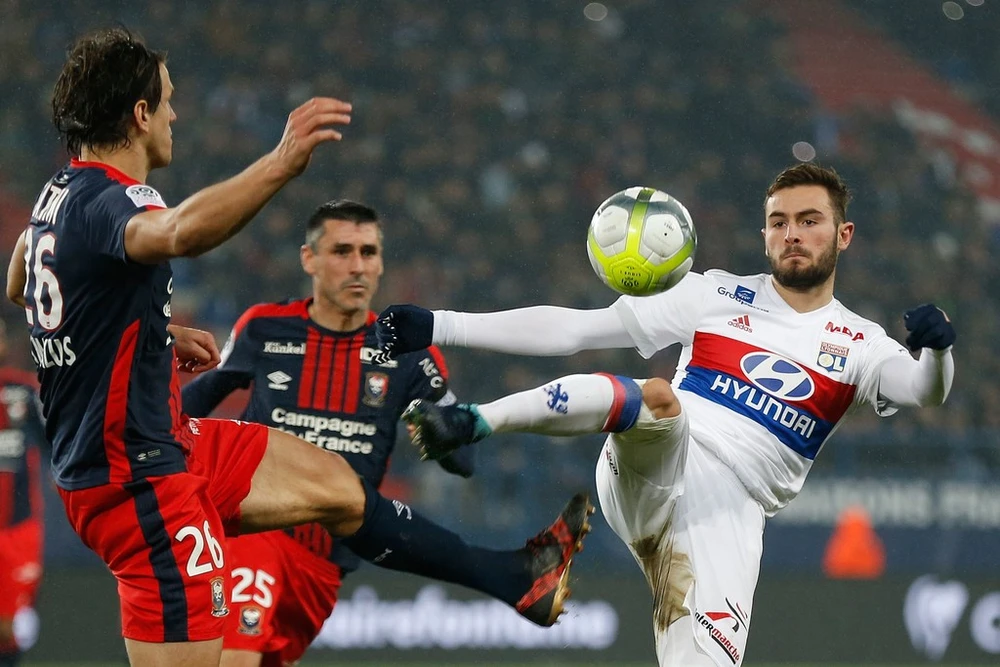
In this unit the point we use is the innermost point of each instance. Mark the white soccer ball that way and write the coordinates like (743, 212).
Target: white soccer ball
(641, 241)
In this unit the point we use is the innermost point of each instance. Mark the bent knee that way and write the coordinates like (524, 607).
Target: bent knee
(659, 397)
(299, 483)
(336, 488)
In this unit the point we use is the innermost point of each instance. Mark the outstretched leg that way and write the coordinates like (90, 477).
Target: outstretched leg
(571, 405)
(534, 579)
(640, 475)
(298, 483)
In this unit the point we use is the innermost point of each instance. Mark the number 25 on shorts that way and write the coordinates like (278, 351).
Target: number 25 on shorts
(257, 580)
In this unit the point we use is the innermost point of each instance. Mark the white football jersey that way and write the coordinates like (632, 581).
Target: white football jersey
(764, 386)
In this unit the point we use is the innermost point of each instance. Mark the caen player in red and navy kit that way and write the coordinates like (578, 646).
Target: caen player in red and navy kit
(21, 443)
(153, 493)
(310, 364)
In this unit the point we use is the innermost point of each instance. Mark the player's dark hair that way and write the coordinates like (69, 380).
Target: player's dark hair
(105, 74)
(338, 209)
(807, 173)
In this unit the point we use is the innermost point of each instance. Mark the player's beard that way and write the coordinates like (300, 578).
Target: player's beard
(806, 277)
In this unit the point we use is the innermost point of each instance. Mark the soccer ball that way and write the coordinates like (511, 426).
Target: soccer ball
(641, 241)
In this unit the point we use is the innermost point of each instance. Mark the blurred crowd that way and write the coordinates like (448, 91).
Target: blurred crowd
(486, 134)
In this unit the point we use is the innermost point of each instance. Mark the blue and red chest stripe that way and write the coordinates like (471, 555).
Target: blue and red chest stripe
(718, 371)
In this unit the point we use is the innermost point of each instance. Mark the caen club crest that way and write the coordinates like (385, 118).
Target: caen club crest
(376, 388)
(250, 620)
(219, 608)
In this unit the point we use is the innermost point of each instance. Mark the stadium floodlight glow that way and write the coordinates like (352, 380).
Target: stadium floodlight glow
(953, 10)
(803, 151)
(595, 11)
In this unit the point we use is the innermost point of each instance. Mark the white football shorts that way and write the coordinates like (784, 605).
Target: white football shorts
(695, 532)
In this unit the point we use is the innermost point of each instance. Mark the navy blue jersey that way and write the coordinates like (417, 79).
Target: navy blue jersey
(98, 324)
(322, 386)
(21, 442)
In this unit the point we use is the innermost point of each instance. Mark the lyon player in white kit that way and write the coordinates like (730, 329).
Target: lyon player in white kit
(770, 366)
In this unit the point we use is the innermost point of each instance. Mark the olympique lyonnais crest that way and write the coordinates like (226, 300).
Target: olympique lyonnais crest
(219, 608)
(376, 389)
(832, 357)
(250, 620)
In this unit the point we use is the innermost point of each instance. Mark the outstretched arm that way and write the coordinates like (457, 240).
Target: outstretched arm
(922, 383)
(539, 330)
(926, 381)
(208, 218)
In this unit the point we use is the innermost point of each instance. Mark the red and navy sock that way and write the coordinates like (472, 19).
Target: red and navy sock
(395, 537)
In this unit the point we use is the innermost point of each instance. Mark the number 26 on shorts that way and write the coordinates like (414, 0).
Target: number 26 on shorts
(196, 565)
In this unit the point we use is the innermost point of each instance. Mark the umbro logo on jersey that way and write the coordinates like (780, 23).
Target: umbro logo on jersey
(278, 380)
(742, 322)
(273, 347)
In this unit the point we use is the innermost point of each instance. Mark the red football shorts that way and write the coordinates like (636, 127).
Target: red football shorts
(164, 538)
(282, 594)
(20, 565)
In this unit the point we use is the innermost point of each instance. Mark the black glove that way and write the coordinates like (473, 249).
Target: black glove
(401, 329)
(928, 327)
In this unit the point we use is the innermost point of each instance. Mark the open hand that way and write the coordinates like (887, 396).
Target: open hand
(307, 127)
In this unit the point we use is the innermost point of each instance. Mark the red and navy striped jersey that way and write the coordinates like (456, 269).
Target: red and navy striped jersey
(21, 442)
(98, 323)
(322, 386)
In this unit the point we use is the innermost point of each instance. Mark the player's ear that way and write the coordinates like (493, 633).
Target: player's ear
(307, 256)
(845, 233)
(141, 115)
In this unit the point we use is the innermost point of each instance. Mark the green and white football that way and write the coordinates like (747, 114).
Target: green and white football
(641, 241)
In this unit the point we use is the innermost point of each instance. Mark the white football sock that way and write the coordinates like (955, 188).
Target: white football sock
(570, 405)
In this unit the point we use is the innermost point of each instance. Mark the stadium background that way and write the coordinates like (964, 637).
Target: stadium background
(486, 133)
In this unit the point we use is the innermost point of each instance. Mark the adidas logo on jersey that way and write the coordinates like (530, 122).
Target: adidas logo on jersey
(742, 322)
(278, 380)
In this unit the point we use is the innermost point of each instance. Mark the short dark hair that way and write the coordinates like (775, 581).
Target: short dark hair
(338, 209)
(105, 74)
(808, 173)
